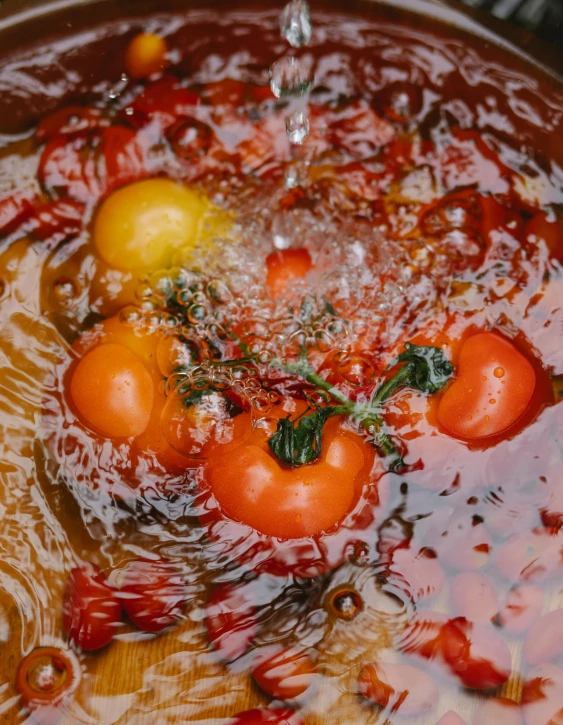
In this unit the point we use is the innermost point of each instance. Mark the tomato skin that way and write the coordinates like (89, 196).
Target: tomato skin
(91, 608)
(422, 635)
(70, 121)
(473, 596)
(498, 711)
(493, 388)
(56, 221)
(542, 696)
(250, 486)
(70, 167)
(421, 572)
(153, 594)
(14, 210)
(45, 698)
(163, 102)
(544, 641)
(113, 391)
(284, 674)
(274, 716)
(125, 157)
(531, 557)
(286, 265)
(230, 619)
(523, 606)
(475, 654)
(401, 688)
(451, 718)
(351, 372)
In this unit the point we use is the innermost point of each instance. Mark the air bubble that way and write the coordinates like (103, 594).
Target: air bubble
(290, 76)
(295, 23)
(297, 127)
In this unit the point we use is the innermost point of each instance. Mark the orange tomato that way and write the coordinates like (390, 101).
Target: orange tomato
(286, 265)
(494, 386)
(145, 55)
(284, 674)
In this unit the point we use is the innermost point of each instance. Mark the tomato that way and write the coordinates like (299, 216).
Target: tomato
(284, 674)
(56, 221)
(450, 718)
(542, 696)
(465, 544)
(113, 391)
(45, 679)
(153, 594)
(69, 166)
(230, 619)
(423, 635)
(400, 688)
(475, 654)
(286, 265)
(531, 557)
(145, 55)
(493, 388)
(142, 225)
(420, 573)
(358, 130)
(14, 210)
(195, 431)
(125, 155)
(498, 711)
(91, 608)
(550, 231)
(251, 486)
(523, 606)
(162, 102)
(274, 716)
(191, 139)
(544, 641)
(473, 596)
(351, 371)
(70, 121)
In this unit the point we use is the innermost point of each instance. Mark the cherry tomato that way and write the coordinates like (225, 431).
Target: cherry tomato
(542, 696)
(544, 641)
(493, 388)
(145, 55)
(69, 166)
(153, 594)
(284, 674)
(14, 210)
(400, 688)
(113, 391)
(473, 596)
(274, 716)
(70, 121)
(162, 102)
(477, 655)
(45, 679)
(56, 221)
(450, 718)
(498, 711)
(352, 371)
(284, 266)
(125, 155)
(531, 557)
(523, 606)
(142, 225)
(91, 608)
(422, 635)
(420, 573)
(252, 487)
(230, 618)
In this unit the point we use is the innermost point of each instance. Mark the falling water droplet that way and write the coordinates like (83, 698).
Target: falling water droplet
(290, 76)
(295, 23)
(297, 127)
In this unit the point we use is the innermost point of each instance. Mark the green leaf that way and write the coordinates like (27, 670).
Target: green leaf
(298, 442)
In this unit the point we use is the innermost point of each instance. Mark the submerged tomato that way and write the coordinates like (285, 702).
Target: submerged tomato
(153, 594)
(284, 674)
(493, 388)
(45, 679)
(273, 716)
(400, 688)
(523, 606)
(230, 619)
(286, 265)
(542, 696)
(91, 608)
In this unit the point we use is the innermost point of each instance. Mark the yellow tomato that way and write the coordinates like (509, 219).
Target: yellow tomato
(145, 55)
(143, 225)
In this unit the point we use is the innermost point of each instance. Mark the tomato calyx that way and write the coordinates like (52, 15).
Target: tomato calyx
(46, 676)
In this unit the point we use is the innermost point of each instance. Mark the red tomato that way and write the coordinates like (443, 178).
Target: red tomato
(552, 514)
(125, 156)
(230, 618)
(164, 102)
(549, 230)
(465, 544)
(14, 210)
(69, 166)
(113, 391)
(450, 718)
(274, 716)
(523, 606)
(473, 596)
(284, 674)
(531, 557)
(498, 711)
(477, 655)
(70, 121)
(251, 486)
(359, 130)
(493, 388)
(56, 221)
(422, 636)
(420, 572)
(542, 696)
(544, 641)
(286, 265)
(351, 371)
(45, 679)
(400, 688)
(153, 594)
(91, 608)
